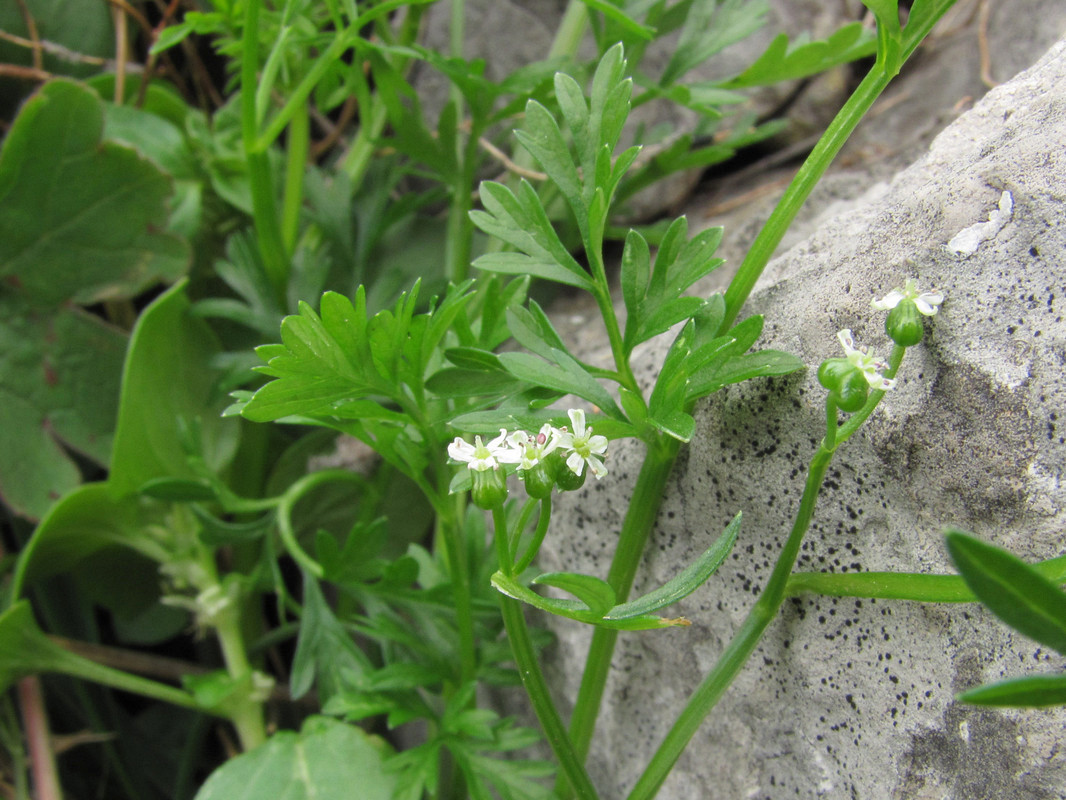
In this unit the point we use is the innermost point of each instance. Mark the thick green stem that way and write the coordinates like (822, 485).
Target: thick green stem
(741, 646)
(632, 540)
(762, 249)
(570, 762)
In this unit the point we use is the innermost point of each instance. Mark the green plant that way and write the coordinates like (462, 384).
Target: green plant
(345, 605)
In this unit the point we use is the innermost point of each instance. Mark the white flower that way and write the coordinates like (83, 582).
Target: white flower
(871, 368)
(532, 449)
(481, 457)
(583, 445)
(928, 303)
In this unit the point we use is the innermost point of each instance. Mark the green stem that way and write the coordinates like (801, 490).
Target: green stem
(264, 209)
(298, 99)
(538, 536)
(917, 587)
(570, 762)
(602, 293)
(762, 249)
(288, 501)
(743, 643)
(451, 531)
(247, 713)
(373, 113)
(571, 30)
(299, 144)
(632, 540)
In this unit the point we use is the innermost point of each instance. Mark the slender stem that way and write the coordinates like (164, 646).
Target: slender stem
(602, 293)
(571, 763)
(264, 204)
(303, 90)
(762, 249)
(299, 144)
(743, 643)
(288, 501)
(451, 531)
(571, 30)
(636, 528)
(538, 536)
(39, 738)
(523, 520)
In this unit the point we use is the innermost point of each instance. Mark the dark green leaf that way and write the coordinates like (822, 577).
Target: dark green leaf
(324, 761)
(179, 490)
(60, 374)
(1012, 590)
(112, 228)
(170, 409)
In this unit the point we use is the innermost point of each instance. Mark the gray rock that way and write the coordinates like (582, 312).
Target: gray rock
(855, 698)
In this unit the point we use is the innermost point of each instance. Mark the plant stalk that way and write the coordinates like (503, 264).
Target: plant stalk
(762, 249)
(632, 540)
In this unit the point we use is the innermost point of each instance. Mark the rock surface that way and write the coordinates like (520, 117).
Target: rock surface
(854, 698)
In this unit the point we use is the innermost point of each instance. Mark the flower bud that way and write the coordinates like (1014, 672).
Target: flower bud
(904, 324)
(489, 489)
(847, 385)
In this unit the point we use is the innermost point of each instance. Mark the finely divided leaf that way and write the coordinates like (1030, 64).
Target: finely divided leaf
(784, 60)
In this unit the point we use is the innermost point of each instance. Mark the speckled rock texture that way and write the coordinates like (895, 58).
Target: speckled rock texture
(854, 698)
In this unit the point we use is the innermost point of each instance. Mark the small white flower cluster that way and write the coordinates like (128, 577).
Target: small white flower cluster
(927, 303)
(527, 450)
(872, 368)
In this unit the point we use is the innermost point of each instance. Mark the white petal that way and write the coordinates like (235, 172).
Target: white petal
(844, 337)
(576, 464)
(577, 417)
(889, 301)
(461, 450)
(598, 444)
(928, 302)
(598, 470)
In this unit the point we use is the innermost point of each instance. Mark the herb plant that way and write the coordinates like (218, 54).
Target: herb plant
(356, 618)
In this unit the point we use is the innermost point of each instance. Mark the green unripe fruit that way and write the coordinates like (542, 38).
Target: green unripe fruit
(565, 478)
(539, 481)
(853, 391)
(904, 324)
(489, 489)
(847, 384)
